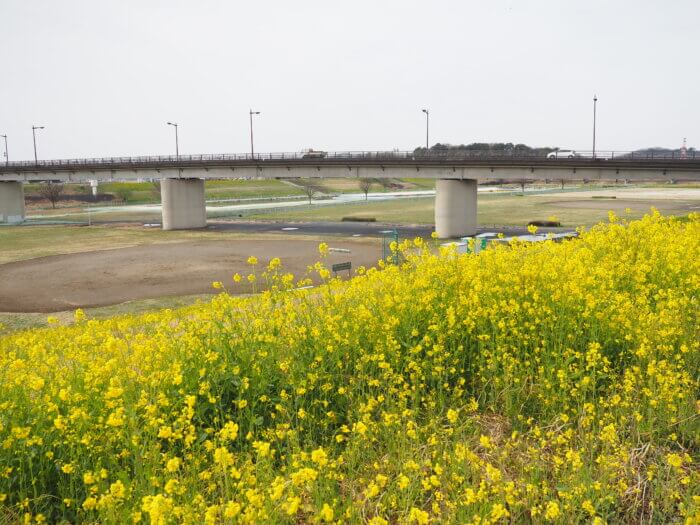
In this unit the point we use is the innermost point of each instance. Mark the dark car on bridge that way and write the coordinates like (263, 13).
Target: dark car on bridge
(313, 154)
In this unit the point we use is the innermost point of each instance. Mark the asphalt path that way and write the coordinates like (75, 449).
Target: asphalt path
(352, 229)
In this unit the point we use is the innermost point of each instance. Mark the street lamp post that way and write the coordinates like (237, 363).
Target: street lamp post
(34, 128)
(7, 154)
(427, 129)
(251, 113)
(177, 146)
(595, 103)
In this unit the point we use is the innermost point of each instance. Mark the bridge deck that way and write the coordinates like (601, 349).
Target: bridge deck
(466, 159)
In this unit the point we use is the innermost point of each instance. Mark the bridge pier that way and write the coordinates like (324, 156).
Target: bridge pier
(183, 206)
(11, 202)
(455, 207)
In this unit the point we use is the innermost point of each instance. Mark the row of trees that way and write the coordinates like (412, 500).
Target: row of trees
(501, 148)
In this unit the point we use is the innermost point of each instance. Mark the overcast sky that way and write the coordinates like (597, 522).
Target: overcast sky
(104, 76)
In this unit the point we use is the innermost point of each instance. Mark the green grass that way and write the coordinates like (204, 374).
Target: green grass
(572, 209)
(139, 192)
(147, 192)
(421, 184)
(409, 210)
(351, 185)
(33, 188)
(241, 189)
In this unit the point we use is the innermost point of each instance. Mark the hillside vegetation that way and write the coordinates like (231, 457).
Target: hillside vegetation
(551, 383)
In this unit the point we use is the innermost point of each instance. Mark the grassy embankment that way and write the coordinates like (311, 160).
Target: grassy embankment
(149, 193)
(579, 205)
(217, 192)
(572, 208)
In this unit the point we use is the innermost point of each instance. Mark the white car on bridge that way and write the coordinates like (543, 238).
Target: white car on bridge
(563, 154)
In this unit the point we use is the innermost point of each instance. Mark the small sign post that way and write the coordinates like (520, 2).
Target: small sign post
(342, 266)
(389, 236)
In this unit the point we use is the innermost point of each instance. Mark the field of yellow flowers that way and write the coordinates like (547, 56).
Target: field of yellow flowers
(549, 383)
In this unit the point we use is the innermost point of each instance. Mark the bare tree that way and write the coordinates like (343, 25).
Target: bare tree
(308, 186)
(366, 185)
(51, 192)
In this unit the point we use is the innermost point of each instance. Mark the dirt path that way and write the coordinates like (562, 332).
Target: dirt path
(100, 278)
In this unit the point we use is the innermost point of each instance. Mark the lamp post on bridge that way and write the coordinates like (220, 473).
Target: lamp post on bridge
(595, 103)
(177, 146)
(7, 155)
(34, 128)
(427, 129)
(251, 113)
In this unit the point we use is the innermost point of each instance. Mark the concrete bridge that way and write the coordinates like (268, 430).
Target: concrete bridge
(456, 173)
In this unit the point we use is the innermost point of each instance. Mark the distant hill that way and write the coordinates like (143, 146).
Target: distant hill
(663, 151)
(508, 148)
(667, 153)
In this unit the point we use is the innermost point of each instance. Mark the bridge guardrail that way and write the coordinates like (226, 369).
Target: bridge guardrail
(335, 156)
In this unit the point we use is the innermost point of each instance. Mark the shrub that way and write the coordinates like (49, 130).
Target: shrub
(359, 219)
(545, 224)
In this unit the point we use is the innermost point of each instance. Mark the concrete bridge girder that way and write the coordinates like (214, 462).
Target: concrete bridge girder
(336, 171)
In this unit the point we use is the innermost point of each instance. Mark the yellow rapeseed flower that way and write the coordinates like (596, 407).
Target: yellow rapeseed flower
(173, 464)
(418, 516)
(326, 513)
(452, 415)
(319, 457)
(552, 511)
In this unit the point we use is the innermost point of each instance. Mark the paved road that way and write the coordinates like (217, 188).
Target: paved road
(356, 229)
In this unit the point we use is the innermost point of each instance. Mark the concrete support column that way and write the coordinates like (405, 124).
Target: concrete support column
(183, 204)
(455, 208)
(11, 202)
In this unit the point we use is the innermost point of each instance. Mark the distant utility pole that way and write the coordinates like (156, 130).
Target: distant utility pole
(34, 128)
(177, 146)
(7, 154)
(595, 103)
(427, 129)
(251, 113)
